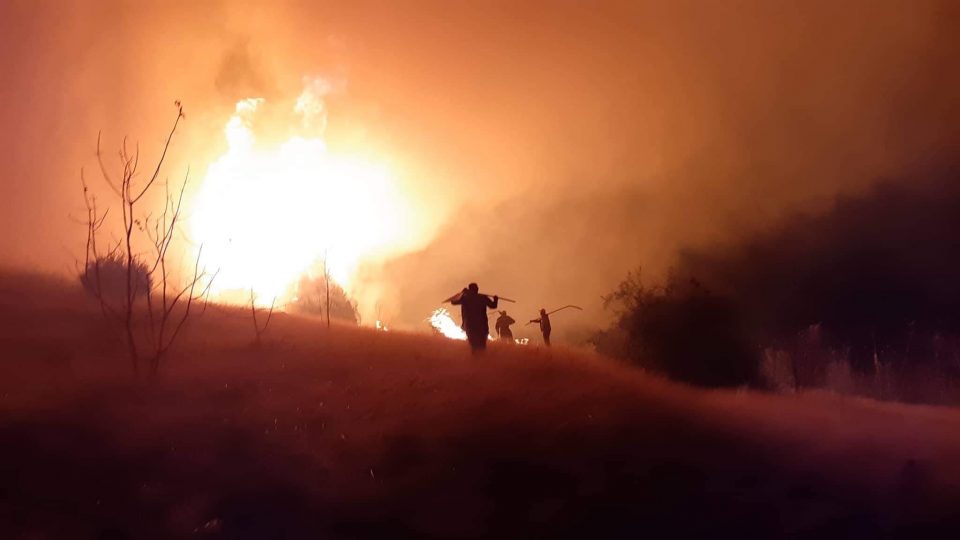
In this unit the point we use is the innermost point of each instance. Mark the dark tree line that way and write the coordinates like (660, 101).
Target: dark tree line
(875, 280)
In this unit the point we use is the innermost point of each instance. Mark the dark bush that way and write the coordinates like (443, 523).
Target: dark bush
(312, 299)
(106, 277)
(680, 330)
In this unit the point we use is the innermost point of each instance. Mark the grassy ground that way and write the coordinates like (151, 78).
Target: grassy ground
(349, 433)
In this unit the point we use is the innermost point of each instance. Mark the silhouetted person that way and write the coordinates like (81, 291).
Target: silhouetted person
(473, 313)
(545, 329)
(503, 327)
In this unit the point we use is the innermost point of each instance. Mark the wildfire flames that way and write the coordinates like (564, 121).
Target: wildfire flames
(267, 214)
(443, 323)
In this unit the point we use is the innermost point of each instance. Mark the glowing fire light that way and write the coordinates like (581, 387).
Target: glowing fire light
(265, 216)
(444, 323)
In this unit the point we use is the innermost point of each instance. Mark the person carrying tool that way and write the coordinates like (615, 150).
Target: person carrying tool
(473, 314)
(544, 321)
(545, 328)
(503, 327)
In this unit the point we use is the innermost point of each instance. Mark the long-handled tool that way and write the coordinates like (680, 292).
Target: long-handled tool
(498, 297)
(558, 309)
(565, 307)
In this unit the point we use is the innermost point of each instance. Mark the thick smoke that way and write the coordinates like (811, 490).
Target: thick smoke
(874, 272)
(553, 146)
(743, 119)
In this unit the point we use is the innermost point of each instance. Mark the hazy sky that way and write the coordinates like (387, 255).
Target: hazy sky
(555, 144)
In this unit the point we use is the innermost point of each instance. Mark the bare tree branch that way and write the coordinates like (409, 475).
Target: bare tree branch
(164, 320)
(163, 155)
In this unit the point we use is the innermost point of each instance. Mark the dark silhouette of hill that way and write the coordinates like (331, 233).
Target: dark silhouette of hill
(351, 433)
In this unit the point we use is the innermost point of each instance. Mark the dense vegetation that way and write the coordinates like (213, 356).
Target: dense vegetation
(872, 284)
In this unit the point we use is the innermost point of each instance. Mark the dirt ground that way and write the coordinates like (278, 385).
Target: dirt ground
(351, 433)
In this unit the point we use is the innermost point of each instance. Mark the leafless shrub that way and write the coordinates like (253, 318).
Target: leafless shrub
(168, 304)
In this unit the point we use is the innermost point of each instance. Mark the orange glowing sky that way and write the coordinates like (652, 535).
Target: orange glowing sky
(540, 148)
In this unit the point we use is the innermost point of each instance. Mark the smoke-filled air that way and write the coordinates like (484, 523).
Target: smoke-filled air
(538, 269)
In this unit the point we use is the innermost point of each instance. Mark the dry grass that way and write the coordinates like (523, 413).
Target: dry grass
(351, 433)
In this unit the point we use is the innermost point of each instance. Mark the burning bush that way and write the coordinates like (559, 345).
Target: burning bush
(105, 277)
(681, 330)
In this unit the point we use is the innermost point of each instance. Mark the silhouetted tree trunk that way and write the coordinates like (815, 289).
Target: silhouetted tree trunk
(257, 329)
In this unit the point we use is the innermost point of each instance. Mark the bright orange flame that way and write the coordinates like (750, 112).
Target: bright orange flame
(444, 323)
(267, 216)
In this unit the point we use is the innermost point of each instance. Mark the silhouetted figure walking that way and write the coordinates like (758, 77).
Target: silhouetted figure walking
(503, 327)
(473, 313)
(545, 329)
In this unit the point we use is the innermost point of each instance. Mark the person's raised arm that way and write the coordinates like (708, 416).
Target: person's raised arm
(492, 304)
(458, 299)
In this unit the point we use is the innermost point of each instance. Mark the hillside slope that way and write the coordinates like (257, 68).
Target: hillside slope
(350, 433)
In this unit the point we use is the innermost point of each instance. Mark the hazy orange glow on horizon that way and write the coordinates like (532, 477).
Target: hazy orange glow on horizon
(542, 148)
